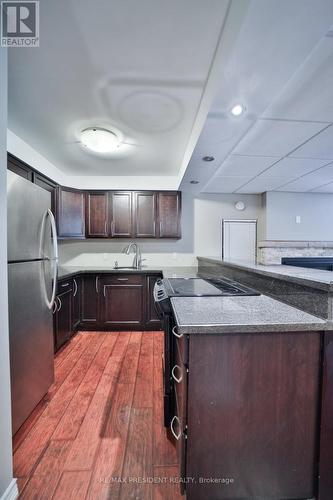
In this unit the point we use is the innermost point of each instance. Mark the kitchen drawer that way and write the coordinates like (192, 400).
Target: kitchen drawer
(179, 377)
(123, 279)
(180, 343)
(177, 428)
(65, 285)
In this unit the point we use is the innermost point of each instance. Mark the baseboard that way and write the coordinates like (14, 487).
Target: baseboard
(11, 492)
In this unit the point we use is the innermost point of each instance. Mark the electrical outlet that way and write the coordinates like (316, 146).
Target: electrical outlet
(298, 219)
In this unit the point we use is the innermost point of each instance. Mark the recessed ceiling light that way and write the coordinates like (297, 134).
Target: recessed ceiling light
(194, 182)
(99, 140)
(208, 158)
(237, 110)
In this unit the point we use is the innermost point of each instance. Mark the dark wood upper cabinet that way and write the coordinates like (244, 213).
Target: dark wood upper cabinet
(45, 183)
(19, 167)
(121, 214)
(144, 214)
(70, 213)
(169, 213)
(97, 215)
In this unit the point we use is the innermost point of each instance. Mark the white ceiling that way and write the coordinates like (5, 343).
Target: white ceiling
(142, 67)
(281, 69)
(166, 74)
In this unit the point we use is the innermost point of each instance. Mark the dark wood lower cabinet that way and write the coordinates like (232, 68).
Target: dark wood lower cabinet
(326, 438)
(105, 302)
(246, 414)
(63, 327)
(122, 302)
(76, 302)
(90, 301)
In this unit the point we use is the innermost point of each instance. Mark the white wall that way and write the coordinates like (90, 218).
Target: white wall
(5, 411)
(201, 235)
(210, 209)
(315, 210)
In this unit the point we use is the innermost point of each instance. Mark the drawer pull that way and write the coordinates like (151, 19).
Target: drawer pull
(75, 290)
(178, 335)
(178, 380)
(176, 436)
(60, 304)
(64, 285)
(96, 284)
(122, 279)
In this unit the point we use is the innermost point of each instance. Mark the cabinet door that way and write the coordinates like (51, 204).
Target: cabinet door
(76, 303)
(144, 214)
(63, 320)
(121, 214)
(90, 293)
(97, 215)
(169, 212)
(152, 320)
(123, 302)
(70, 213)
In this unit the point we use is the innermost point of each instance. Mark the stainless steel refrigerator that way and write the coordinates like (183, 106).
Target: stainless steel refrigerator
(32, 279)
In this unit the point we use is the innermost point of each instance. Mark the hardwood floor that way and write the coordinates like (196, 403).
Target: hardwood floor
(98, 433)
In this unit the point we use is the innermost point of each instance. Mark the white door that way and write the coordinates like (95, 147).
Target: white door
(239, 240)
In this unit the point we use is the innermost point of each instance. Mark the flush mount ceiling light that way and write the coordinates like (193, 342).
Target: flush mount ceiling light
(99, 140)
(237, 110)
(194, 182)
(208, 158)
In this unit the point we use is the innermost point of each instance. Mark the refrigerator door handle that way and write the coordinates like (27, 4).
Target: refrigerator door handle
(54, 237)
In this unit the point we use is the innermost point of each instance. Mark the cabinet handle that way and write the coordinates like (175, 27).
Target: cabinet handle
(178, 335)
(96, 284)
(178, 380)
(160, 224)
(177, 436)
(112, 227)
(122, 279)
(60, 304)
(64, 285)
(75, 289)
(106, 227)
(54, 307)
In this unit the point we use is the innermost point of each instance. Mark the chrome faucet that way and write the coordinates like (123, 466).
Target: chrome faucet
(134, 247)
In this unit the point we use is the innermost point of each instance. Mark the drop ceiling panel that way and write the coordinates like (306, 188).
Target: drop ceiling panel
(328, 188)
(293, 167)
(225, 184)
(300, 185)
(320, 146)
(313, 180)
(276, 138)
(308, 94)
(262, 184)
(245, 166)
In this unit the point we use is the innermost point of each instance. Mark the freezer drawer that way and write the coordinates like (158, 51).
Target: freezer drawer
(30, 337)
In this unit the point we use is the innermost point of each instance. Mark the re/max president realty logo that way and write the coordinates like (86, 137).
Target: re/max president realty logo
(19, 23)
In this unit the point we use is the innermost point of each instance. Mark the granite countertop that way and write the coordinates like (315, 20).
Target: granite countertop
(316, 278)
(242, 315)
(168, 271)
